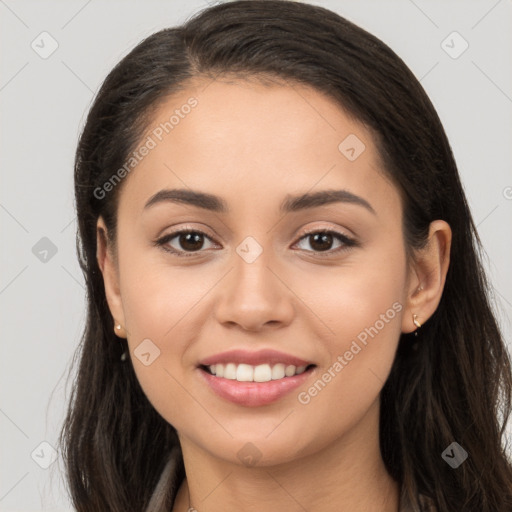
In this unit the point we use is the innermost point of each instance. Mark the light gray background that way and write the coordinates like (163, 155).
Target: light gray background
(43, 104)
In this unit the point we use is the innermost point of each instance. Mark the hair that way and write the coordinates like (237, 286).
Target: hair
(454, 384)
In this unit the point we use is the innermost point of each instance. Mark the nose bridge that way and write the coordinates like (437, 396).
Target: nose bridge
(252, 276)
(253, 294)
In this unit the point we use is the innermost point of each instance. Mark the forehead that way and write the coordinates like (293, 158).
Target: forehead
(255, 143)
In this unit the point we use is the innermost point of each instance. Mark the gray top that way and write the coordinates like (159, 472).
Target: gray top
(168, 479)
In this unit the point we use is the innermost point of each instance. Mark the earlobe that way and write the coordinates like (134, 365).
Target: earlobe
(110, 272)
(428, 276)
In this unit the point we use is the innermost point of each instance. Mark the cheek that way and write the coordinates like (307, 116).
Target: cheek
(158, 298)
(362, 306)
(164, 308)
(353, 296)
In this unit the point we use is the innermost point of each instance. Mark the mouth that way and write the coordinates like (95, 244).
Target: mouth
(260, 373)
(254, 379)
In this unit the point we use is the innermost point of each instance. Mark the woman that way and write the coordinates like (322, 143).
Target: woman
(286, 305)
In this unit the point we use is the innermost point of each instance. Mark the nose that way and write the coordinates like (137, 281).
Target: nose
(254, 297)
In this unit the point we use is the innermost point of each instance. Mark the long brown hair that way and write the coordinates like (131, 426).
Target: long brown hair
(453, 385)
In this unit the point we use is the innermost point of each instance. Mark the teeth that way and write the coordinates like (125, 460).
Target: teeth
(260, 373)
(289, 371)
(277, 371)
(244, 373)
(230, 371)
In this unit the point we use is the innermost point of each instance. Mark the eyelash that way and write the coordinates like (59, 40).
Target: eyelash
(347, 242)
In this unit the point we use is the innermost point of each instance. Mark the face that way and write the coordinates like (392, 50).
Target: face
(284, 281)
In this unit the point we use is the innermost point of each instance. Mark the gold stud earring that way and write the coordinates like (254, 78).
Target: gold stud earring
(124, 355)
(415, 321)
(118, 329)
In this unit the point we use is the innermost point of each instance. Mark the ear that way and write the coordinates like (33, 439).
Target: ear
(428, 276)
(109, 269)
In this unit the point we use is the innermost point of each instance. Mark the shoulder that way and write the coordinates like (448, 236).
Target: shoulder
(168, 483)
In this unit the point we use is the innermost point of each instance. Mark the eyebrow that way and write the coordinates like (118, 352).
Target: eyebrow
(216, 204)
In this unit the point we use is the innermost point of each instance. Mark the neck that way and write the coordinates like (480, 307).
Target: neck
(346, 476)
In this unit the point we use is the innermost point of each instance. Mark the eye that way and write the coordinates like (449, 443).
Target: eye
(322, 240)
(190, 240)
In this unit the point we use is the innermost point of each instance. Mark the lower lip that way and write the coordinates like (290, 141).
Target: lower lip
(254, 394)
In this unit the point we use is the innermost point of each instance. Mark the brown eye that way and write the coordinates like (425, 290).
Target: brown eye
(184, 243)
(322, 242)
(191, 241)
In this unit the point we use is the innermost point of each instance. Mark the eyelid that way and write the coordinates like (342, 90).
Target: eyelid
(163, 240)
(326, 229)
(348, 241)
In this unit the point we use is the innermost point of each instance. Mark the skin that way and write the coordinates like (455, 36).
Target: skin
(254, 144)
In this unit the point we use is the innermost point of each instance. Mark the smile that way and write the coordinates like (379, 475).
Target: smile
(260, 373)
(250, 393)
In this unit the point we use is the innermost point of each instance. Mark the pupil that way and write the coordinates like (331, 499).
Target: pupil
(322, 238)
(187, 241)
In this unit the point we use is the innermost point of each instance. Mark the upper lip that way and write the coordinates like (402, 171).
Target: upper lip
(240, 356)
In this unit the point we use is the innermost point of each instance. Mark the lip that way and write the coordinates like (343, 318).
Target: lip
(268, 356)
(254, 394)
